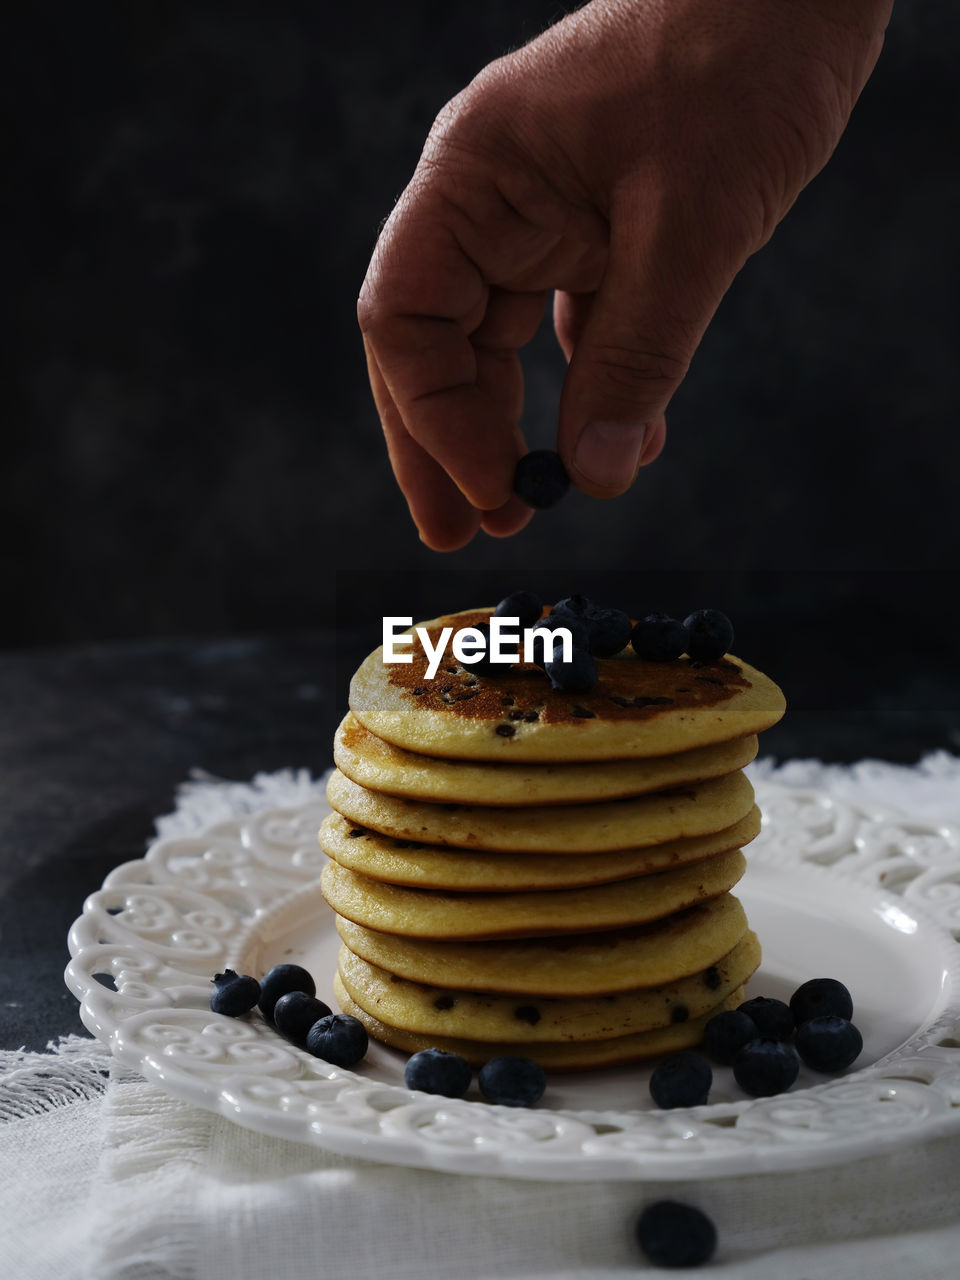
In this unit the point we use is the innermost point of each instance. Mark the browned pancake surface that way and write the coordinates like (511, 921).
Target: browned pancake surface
(637, 708)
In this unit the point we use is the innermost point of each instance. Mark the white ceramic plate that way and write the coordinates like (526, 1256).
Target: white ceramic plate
(833, 890)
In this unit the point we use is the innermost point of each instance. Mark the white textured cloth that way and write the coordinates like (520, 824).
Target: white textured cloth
(103, 1175)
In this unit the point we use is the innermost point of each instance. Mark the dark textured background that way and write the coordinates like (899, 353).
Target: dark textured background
(190, 442)
(194, 488)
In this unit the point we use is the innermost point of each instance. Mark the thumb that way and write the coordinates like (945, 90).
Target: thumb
(664, 278)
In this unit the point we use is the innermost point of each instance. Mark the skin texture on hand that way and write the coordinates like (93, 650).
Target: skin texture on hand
(629, 160)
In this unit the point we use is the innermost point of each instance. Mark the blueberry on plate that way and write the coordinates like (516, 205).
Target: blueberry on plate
(541, 479)
(296, 1012)
(659, 638)
(338, 1038)
(610, 632)
(681, 1080)
(579, 675)
(726, 1033)
(512, 1082)
(672, 1234)
(829, 1043)
(233, 993)
(435, 1071)
(523, 605)
(766, 1066)
(821, 998)
(281, 979)
(772, 1017)
(709, 634)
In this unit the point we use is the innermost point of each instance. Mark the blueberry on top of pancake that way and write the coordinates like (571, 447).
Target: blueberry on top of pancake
(637, 708)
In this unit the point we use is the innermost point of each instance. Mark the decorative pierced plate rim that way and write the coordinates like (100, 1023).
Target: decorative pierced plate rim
(157, 1019)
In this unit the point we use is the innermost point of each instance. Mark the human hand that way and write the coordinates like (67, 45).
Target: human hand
(630, 159)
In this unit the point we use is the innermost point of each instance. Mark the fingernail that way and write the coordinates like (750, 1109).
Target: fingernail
(608, 453)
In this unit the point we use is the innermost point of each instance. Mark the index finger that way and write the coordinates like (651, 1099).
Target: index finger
(444, 518)
(422, 298)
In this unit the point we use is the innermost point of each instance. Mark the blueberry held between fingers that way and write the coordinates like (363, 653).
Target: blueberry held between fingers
(681, 1080)
(339, 1038)
(709, 634)
(829, 1044)
(523, 605)
(821, 998)
(296, 1012)
(659, 638)
(512, 1082)
(233, 993)
(772, 1017)
(672, 1234)
(726, 1034)
(579, 675)
(434, 1071)
(281, 979)
(765, 1067)
(541, 479)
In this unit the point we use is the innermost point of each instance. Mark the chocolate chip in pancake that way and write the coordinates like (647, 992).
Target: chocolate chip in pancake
(429, 1010)
(637, 708)
(572, 1056)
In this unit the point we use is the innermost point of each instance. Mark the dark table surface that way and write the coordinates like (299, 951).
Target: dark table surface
(95, 740)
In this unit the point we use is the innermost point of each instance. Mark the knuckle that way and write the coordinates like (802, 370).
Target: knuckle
(787, 133)
(370, 309)
(640, 368)
(471, 124)
(372, 302)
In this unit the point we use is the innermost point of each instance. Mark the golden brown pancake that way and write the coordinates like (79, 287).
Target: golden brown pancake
(584, 964)
(425, 913)
(380, 766)
(570, 1056)
(637, 708)
(424, 866)
(703, 808)
(429, 1010)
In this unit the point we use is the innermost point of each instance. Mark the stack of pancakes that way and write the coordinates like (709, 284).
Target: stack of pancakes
(517, 870)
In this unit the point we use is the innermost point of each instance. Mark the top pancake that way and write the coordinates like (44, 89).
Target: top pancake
(637, 709)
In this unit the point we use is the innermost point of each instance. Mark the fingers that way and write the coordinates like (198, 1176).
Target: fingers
(654, 440)
(443, 516)
(433, 385)
(632, 342)
(570, 311)
(430, 319)
(508, 520)
(436, 466)
(511, 319)
(514, 515)
(441, 346)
